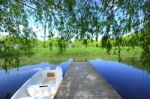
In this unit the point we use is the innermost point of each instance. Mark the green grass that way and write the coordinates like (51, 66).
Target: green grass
(131, 56)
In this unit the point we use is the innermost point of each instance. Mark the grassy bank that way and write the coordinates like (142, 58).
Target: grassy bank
(131, 56)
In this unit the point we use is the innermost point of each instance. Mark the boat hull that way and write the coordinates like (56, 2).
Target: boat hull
(39, 86)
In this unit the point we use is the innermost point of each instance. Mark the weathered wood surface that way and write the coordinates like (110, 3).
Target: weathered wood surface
(82, 81)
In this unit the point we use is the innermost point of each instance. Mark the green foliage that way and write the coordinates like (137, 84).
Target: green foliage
(77, 43)
(81, 43)
(106, 43)
(81, 19)
(131, 57)
(20, 38)
(145, 38)
(132, 40)
(61, 45)
(13, 48)
(69, 4)
(52, 42)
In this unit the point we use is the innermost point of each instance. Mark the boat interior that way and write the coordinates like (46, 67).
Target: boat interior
(41, 85)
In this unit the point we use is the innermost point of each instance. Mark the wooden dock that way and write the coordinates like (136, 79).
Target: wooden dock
(82, 81)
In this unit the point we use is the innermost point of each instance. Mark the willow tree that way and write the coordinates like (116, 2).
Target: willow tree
(81, 19)
(17, 35)
(145, 32)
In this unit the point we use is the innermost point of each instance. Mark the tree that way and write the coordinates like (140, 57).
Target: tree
(84, 19)
(20, 37)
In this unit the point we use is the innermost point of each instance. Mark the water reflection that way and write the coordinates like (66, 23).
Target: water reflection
(13, 79)
(8, 95)
(128, 81)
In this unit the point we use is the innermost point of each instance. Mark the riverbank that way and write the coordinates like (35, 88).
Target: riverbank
(129, 56)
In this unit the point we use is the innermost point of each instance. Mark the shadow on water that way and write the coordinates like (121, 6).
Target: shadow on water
(128, 81)
(13, 79)
(8, 96)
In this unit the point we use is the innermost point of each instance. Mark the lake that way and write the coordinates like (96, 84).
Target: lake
(128, 81)
(12, 80)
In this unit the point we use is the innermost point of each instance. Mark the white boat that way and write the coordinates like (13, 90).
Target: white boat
(42, 85)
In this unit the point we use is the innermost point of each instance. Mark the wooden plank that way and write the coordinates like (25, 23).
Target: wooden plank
(82, 81)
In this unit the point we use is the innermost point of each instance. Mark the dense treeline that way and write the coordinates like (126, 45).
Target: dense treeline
(55, 42)
(130, 41)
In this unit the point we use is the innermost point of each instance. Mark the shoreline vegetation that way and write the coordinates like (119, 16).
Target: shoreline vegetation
(54, 51)
(55, 31)
(130, 56)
